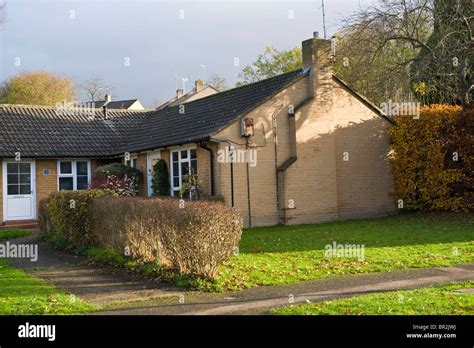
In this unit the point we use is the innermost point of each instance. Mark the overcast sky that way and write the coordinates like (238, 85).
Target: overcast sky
(137, 45)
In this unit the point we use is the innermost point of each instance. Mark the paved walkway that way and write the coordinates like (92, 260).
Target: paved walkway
(106, 286)
(96, 284)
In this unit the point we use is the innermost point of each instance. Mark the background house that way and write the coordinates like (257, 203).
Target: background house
(200, 90)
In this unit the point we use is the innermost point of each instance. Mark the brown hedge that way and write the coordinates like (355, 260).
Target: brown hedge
(193, 238)
(426, 172)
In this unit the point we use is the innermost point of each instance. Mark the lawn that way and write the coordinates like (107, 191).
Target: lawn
(21, 293)
(288, 254)
(439, 300)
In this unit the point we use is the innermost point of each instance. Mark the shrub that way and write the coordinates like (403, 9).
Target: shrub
(160, 179)
(194, 240)
(66, 214)
(433, 159)
(121, 186)
(132, 176)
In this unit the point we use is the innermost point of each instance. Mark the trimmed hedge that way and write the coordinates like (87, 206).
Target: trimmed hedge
(66, 214)
(433, 159)
(192, 238)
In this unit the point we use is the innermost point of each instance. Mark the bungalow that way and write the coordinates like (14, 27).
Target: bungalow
(315, 149)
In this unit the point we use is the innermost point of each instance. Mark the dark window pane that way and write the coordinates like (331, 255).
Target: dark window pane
(82, 182)
(176, 181)
(175, 156)
(12, 179)
(194, 168)
(175, 168)
(81, 168)
(12, 168)
(134, 163)
(176, 193)
(193, 154)
(25, 168)
(65, 167)
(25, 178)
(65, 184)
(25, 189)
(184, 168)
(12, 189)
(184, 154)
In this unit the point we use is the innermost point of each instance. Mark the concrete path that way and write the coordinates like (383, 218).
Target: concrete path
(125, 294)
(261, 300)
(95, 284)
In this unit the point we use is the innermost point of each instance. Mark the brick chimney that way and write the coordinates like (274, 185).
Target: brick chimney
(179, 93)
(317, 56)
(199, 86)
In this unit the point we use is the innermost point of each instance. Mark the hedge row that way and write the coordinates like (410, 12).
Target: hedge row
(433, 159)
(193, 238)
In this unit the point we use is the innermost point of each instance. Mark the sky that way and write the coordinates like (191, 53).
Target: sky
(138, 47)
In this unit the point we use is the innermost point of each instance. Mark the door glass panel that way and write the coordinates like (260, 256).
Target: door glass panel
(13, 189)
(65, 184)
(25, 178)
(175, 156)
(25, 189)
(12, 178)
(184, 168)
(25, 168)
(184, 154)
(194, 167)
(12, 168)
(193, 153)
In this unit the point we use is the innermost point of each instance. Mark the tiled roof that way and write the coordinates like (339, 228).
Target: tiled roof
(44, 132)
(205, 116)
(37, 131)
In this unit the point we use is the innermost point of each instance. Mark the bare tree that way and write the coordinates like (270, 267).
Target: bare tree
(218, 82)
(439, 31)
(95, 89)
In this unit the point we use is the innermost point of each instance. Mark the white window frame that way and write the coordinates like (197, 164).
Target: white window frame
(133, 160)
(73, 175)
(180, 160)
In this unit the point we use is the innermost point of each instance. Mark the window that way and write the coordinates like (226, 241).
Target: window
(73, 175)
(183, 162)
(132, 162)
(18, 178)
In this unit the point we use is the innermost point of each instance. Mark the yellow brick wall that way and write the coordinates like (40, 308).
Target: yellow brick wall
(320, 184)
(45, 183)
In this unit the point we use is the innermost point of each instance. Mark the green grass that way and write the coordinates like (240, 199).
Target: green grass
(23, 294)
(16, 233)
(289, 254)
(439, 300)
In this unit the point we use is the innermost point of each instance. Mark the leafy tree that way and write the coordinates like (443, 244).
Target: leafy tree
(160, 182)
(38, 88)
(218, 82)
(271, 63)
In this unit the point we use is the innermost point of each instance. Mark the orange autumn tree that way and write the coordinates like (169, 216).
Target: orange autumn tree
(433, 159)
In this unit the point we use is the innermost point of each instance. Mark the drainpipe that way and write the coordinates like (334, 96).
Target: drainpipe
(211, 165)
(248, 183)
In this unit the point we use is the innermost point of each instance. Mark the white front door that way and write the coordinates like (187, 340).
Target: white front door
(152, 158)
(19, 190)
